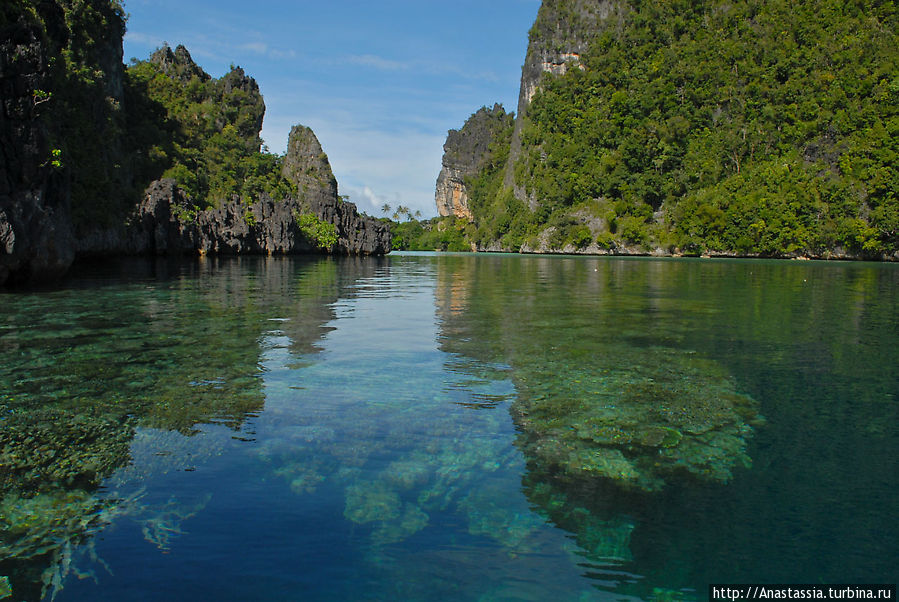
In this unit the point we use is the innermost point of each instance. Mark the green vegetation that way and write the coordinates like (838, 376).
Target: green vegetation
(322, 233)
(201, 131)
(75, 102)
(436, 234)
(766, 128)
(111, 134)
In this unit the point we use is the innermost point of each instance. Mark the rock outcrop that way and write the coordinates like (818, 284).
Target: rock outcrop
(307, 168)
(306, 165)
(166, 222)
(465, 154)
(165, 225)
(37, 178)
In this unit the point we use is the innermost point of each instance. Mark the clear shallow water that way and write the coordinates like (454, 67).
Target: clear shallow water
(448, 427)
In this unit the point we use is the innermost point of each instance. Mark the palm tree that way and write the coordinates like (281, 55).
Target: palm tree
(385, 208)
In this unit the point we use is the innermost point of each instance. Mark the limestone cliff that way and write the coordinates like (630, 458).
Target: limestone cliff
(306, 165)
(561, 33)
(307, 168)
(166, 222)
(81, 138)
(62, 129)
(28, 216)
(466, 153)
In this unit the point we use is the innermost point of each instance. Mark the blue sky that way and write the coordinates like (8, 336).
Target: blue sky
(379, 82)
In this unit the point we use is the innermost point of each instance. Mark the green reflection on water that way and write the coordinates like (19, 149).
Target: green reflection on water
(85, 368)
(635, 389)
(591, 401)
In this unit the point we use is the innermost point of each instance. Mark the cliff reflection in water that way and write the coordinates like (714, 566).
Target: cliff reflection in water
(640, 391)
(603, 387)
(453, 427)
(103, 378)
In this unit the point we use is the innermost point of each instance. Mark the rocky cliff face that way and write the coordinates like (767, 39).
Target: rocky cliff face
(164, 225)
(465, 154)
(307, 168)
(561, 33)
(306, 165)
(166, 222)
(35, 229)
(71, 171)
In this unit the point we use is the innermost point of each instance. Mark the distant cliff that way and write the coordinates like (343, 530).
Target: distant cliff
(762, 129)
(466, 153)
(83, 138)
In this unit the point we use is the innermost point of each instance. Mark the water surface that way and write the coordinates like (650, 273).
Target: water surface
(458, 427)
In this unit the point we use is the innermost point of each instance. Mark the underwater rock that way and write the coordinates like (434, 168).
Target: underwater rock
(371, 501)
(637, 416)
(49, 448)
(497, 521)
(602, 535)
(409, 523)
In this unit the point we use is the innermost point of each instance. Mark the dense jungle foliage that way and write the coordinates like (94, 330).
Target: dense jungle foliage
(202, 131)
(756, 127)
(437, 234)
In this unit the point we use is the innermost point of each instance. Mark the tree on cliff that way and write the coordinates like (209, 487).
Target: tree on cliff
(762, 128)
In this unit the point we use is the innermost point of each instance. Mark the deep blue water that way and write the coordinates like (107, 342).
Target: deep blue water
(448, 427)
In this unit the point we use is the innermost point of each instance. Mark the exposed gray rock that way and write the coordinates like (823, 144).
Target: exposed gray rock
(166, 221)
(164, 225)
(465, 153)
(356, 234)
(38, 239)
(306, 166)
(177, 64)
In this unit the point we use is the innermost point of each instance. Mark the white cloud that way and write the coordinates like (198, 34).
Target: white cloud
(142, 39)
(380, 63)
(278, 54)
(255, 47)
(377, 62)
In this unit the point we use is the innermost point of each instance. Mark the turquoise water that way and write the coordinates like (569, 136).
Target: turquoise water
(452, 427)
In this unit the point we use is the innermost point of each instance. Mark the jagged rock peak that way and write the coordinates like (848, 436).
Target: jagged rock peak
(467, 147)
(237, 79)
(306, 165)
(178, 64)
(465, 153)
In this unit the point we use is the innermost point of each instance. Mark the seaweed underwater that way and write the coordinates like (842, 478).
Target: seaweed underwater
(97, 386)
